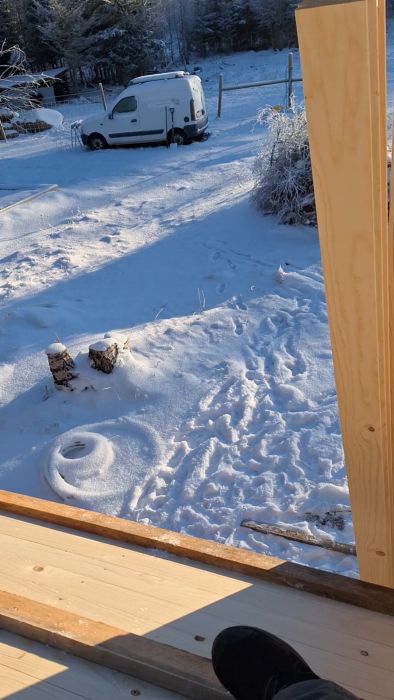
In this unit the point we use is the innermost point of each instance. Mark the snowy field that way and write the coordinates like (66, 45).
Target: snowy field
(225, 406)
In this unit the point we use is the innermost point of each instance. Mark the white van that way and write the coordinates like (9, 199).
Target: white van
(166, 107)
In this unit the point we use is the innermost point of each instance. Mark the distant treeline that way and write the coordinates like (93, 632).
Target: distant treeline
(113, 40)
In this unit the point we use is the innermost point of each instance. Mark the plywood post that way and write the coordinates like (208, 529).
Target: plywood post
(342, 48)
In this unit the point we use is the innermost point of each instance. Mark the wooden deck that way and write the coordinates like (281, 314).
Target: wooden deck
(121, 605)
(32, 671)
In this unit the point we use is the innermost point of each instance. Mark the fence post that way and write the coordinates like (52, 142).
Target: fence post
(219, 114)
(290, 80)
(103, 97)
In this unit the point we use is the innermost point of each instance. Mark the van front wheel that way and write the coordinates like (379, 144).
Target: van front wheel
(177, 136)
(96, 142)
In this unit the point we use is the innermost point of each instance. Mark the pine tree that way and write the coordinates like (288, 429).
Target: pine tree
(132, 44)
(69, 30)
(276, 23)
(243, 25)
(40, 55)
(214, 26)
(12, 22)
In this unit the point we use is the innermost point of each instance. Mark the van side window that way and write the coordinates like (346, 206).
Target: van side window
(128, 104)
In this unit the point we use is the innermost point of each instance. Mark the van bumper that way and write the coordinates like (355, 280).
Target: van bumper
(193, 130)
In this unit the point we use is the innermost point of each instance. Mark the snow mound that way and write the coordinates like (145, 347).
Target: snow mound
(75, 459)
(102, 345)
(55, 349)
(7, 114)
(98, 463)
(42, 114)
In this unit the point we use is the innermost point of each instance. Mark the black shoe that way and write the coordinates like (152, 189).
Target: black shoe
(255, 665)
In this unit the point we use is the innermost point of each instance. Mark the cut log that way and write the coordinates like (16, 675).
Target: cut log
(300, 536)
(103, 355)
(60, 363)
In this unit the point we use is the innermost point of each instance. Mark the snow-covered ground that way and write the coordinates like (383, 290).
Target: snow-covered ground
(225, 407)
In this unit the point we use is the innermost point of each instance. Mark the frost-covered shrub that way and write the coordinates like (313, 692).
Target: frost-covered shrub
(282, 169)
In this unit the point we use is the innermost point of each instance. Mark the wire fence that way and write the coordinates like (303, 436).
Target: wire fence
(75, 106)
(289, 81)
(80, 98)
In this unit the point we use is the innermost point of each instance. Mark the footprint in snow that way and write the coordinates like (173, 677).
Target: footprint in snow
(241, 305)
(238, 326)
(237, 303)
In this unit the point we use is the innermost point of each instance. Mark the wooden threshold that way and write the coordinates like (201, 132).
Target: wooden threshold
(274, 570)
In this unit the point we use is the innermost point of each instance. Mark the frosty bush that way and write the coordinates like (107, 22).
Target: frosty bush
(282, 169)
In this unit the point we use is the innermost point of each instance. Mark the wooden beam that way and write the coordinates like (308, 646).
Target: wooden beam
(391, 251)
(342, 57)
(300, 536)
(302, 578)
(155, 662)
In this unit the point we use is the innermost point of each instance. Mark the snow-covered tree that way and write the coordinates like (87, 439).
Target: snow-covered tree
(275, 23)
(243, 25)
(40, 55)
(213, 29)
(177, 28)
(18, 91)
(68, 28)
(12, 21)
(131, 42)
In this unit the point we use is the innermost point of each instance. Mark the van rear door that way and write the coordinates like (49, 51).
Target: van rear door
(198, 99)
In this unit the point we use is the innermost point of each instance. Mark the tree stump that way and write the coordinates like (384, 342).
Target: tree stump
(103, 355)
(60, 363)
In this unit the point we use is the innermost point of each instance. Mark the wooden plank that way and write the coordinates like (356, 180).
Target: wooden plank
(341, 57)
(143, 592)
(300, 536)
(230, 558)
(35, 671)
(25, 200)
(173, 669)
(123, 651)
(391, 247)
(45, 673)
(175, 602)
(114, 583)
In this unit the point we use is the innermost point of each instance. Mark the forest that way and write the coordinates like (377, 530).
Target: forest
(113, 40)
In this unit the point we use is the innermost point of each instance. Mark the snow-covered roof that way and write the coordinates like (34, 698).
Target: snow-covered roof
(31, 78)
(158, 76)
